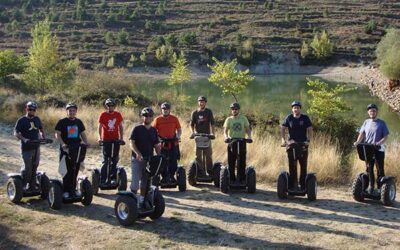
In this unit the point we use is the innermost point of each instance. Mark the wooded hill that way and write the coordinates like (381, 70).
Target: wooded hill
(130, 33)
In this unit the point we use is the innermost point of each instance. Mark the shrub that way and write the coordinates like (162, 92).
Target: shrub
(155, 43)
(388, 54)
(11, 63)
(109, 38)
(245, 52)
(322, 46)
(187, 38)
(370, 27)
(165, 54)
(122, 37)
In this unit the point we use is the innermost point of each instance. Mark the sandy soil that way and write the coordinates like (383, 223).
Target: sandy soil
(201, 217)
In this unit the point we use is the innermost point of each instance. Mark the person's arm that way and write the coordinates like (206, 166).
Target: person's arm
(134, 148)
(157, 148)
(99, 133)
(19, 136)
(248, 131)
(283, 134)
(64, 146)
(179, 133)
(84, 138)
(360, 138)
(383, 140)
(226, 133)
(121, 131)
(42, 134)
(309, 134)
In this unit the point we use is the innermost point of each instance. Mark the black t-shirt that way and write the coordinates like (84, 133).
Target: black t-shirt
(297, 127)
(70, 130)
(29, 128)
(145, 139)
(201, 119)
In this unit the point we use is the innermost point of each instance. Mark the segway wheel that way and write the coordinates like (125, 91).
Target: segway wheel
(358, 187)
(95, 180)
(55, 196)
(224, 180)
(216, 173)
(282, 186)
(388, 193)
(14, 189)
(126, 209)
(44, 186)
(122, 180)
(181, 178)
(159, 205)
(192, 173)
(311, 188)
(251, 180)
(87, 192)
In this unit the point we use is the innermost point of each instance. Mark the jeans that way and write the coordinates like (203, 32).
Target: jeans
(139, 178)
(31, 160)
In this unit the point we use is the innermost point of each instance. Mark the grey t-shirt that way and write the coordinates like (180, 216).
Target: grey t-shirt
(374, 130)
(201, 120)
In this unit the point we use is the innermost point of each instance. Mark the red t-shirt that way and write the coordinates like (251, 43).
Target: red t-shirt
(166, 126)
(110, 125)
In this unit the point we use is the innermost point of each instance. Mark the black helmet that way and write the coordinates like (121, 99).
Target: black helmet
(202, 98)
(31, 104)
(296, 103)
(372, 106)
(165, 105)
(147, 111)
(71, 105)
(235, 105)
(109, 102)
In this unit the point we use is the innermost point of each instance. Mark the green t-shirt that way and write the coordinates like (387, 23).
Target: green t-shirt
(236, 126)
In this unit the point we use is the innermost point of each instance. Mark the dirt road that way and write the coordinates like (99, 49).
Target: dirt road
(201, 217)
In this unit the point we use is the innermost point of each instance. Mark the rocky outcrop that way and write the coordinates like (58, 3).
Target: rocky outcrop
(379, 86)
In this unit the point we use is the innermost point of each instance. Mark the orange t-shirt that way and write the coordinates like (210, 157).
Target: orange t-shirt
(166, 126)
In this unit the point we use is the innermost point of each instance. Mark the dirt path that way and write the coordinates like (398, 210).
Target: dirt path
(199, 218)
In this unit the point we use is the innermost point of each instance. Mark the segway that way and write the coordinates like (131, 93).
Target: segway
(82, 186)
(180, 174)
(17, 186)
(310, 188)
(386, 191)
(250, 182)
(126, 206)
(119, 181)
(209, 175)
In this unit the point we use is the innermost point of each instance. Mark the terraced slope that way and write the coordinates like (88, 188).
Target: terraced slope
(218, 27)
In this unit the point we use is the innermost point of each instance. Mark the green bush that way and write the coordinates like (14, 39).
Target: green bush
(122, 37)
(370, 27)
(322, 46)
(388, 54)
(245, 52)
(165, 55)
(11, 63)
(109, 38)
(187, 38)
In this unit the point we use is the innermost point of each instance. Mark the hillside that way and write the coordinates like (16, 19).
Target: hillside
(254, 31)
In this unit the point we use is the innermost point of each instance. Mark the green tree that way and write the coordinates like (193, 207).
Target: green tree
(322, 46)
(10, 63)
(45, 70)
(245, 52)
(370, 27)
(165, 54)
(109, 38)
(305, 50)
(180, 73)
(388, 54)
(230, 80)
(122, 36)
(132, 61)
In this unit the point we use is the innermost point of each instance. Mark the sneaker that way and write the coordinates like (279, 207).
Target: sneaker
(65, 195)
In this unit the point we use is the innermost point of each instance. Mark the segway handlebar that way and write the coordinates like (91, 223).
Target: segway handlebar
(211, 136)
(118, 142)
(232, 140)
(295, 144)
(364, 144)
(40, 141)
(173, 139)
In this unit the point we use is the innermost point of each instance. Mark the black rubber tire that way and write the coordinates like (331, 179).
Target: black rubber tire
(311, 186)
(122, 180)
(282, 186)
(224, 180)
(357, 188)
(386, 198)
(44, 186)
(216, 173)
(55, 191)
(87, 192)
(181, 178)
(159, 205)
(95, 180)
(192, 173)
(130, 205)
(251, 180)
(16, 184)
(155, 181)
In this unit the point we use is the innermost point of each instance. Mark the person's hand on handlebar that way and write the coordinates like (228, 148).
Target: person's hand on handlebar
(283, 143)
(191, 136)
(227, 140)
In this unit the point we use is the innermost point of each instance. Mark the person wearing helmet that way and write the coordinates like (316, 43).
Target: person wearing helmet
(143, 142)
(299, 129)
(110, 129)
(168, 127)
(374, 131)
(202, 121)
(29, 127)
(70, 133)
(236, 126)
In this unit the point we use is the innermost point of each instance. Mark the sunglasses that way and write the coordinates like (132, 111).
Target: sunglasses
(31, 109)
(235, 109)
(145, 115)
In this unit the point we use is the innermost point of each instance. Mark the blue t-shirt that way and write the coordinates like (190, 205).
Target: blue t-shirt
(145, 139)
(71, 130)
(297, 127)
(374, 130)
(29, 128)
